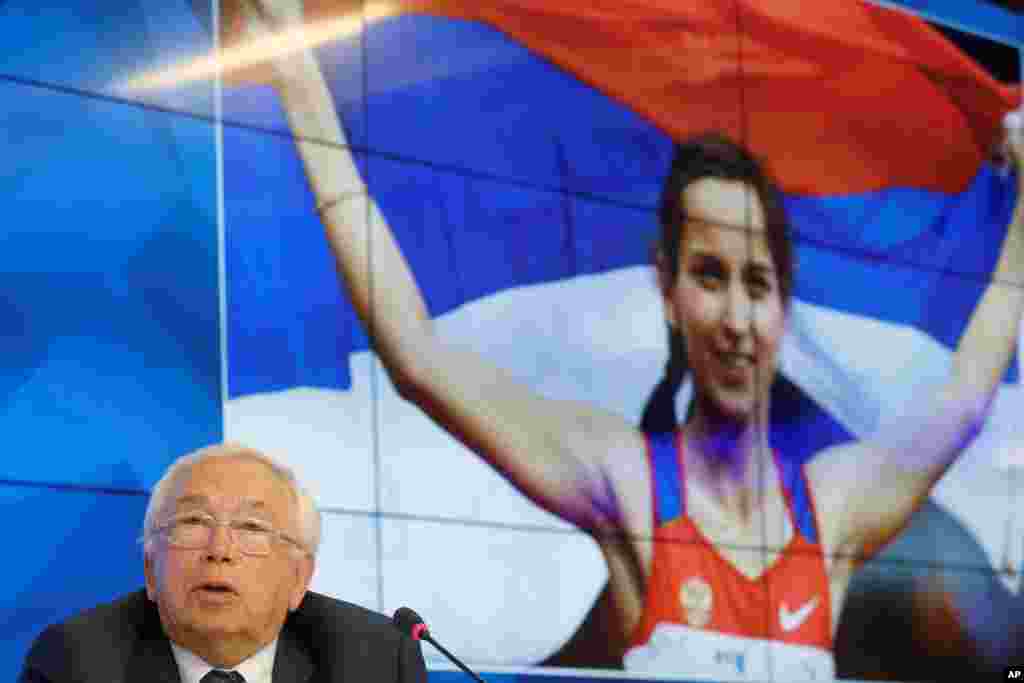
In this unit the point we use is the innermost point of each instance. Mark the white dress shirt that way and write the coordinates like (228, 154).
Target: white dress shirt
(256, 669)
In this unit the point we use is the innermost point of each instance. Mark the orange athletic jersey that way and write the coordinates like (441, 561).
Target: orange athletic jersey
(691, 584)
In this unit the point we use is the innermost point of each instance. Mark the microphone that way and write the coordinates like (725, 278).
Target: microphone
(411, 624)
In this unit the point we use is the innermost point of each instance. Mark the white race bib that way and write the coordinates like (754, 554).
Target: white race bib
(694, 653)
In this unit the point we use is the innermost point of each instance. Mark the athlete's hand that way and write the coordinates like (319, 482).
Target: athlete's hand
(1013, 141)
(259, 19)
(1011, 148)
(1013, 152)
(245, 23)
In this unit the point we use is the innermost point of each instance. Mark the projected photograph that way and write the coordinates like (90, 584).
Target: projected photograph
(670, 341)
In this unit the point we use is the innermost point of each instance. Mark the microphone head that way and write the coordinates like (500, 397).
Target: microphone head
(409, 623)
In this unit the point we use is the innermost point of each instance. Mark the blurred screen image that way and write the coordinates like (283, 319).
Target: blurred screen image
(851, 154)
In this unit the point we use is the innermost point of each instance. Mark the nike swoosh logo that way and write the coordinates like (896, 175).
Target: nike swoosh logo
(790, 621)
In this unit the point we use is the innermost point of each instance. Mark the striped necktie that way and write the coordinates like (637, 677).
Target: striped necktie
(218, 676)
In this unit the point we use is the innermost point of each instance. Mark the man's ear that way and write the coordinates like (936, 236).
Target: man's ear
(150, 572)
(304, 569)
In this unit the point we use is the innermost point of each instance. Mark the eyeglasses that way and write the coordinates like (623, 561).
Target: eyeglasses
(252, 536)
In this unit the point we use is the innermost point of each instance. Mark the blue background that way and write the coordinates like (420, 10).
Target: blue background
(110, 355)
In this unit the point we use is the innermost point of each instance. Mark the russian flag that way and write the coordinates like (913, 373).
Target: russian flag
(517, 149)
(549, 127)
(875, 126)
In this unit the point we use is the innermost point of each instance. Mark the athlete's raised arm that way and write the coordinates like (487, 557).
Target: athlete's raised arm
(867, 491)
(553, 451)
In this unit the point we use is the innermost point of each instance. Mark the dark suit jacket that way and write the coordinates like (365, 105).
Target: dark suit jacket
(324, 641)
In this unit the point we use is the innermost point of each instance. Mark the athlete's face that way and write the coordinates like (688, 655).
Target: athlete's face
(726, 300)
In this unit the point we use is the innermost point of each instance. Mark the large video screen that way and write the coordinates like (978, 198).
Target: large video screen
(647, 341)
(814, 494)
(806, 486)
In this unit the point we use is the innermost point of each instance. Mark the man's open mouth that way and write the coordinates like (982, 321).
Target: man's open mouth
(217, 587)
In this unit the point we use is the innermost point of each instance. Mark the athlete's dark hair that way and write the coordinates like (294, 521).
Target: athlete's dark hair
(710, 155)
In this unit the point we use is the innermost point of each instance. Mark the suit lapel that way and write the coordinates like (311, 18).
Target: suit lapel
(153, 659)
(292, 662)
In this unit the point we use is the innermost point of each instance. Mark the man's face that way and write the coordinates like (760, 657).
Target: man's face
(219, 603)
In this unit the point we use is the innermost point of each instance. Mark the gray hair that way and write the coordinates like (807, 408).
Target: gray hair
(306, 513)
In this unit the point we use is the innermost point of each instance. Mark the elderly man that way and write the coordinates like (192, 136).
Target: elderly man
(230, 541)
